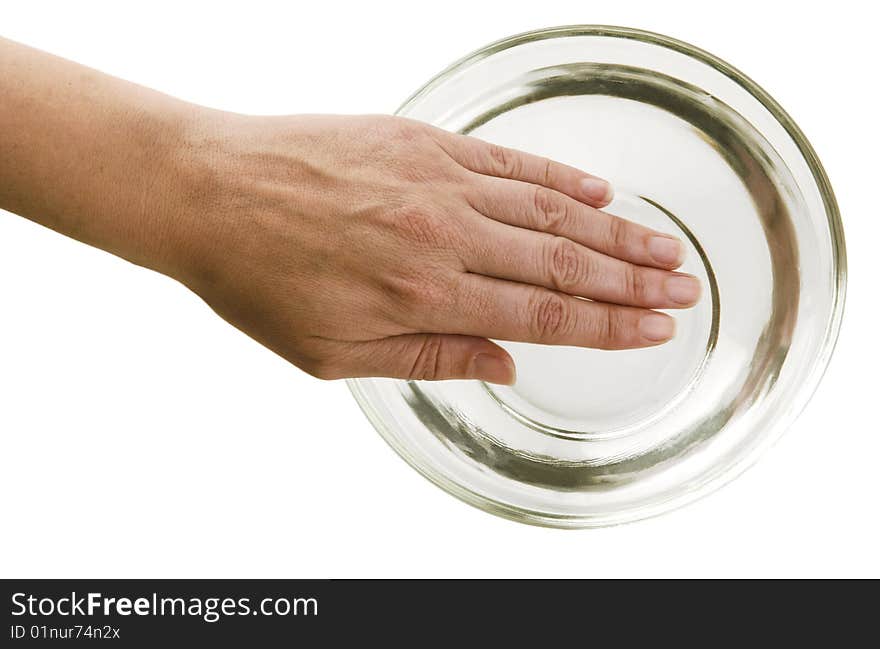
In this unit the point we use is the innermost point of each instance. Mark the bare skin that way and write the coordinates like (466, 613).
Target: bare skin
(351, 246)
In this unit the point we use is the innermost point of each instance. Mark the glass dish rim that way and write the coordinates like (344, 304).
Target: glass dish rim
(817, 370)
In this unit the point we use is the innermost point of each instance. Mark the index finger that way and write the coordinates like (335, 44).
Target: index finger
(494, 160)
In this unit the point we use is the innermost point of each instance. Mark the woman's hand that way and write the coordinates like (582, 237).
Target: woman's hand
(379, 246)
(351, 246)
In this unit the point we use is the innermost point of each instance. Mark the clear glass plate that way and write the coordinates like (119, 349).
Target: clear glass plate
(693, 148)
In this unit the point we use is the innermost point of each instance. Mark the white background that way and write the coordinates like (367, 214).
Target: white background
(141, 436)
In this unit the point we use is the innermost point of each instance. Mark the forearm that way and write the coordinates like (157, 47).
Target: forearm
(91, 156)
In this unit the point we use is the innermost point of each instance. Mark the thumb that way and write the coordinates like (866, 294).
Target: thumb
(432, 357)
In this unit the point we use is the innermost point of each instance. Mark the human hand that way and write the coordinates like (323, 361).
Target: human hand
(380, 246)
(351, 246)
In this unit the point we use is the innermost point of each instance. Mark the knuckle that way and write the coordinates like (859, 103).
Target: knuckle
(407, 130)
(406, 287)
(551, 213)
(617, 234)
(426, 366)
(566, 264)
(635, 283)
(610, 328)
(416, 291)
(552, 316)
(548, 172)
(432, 294)
(504, 160)
(419, 225)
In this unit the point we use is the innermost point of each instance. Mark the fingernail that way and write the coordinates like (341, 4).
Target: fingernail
(656, 327)
(666, 250)
(597, 189)
(683, 289)
(494, 369)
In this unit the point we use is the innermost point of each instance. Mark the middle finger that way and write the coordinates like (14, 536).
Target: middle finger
(545, 210)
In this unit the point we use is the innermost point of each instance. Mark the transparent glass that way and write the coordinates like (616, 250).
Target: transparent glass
(694, 148)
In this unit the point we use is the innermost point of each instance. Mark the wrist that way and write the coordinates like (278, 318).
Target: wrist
(229, 175)
(193, 171)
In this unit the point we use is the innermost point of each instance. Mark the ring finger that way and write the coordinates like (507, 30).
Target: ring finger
(555, 262)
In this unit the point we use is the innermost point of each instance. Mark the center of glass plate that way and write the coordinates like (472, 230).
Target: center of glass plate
(589, 393)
